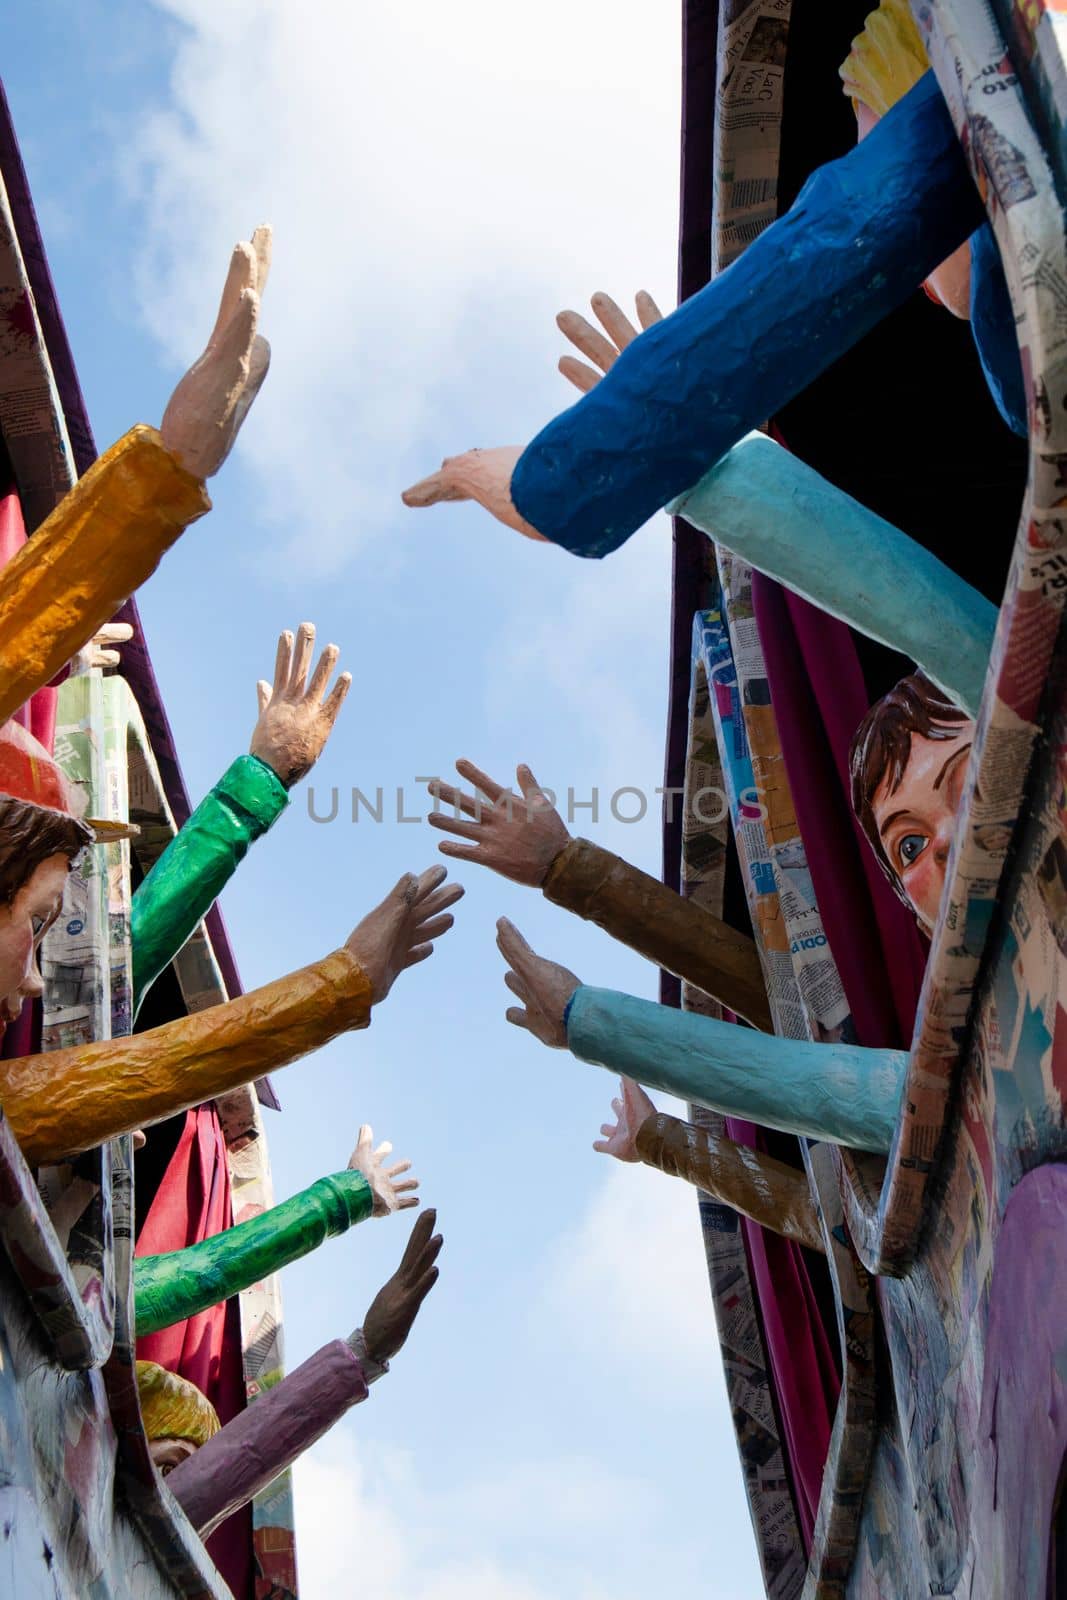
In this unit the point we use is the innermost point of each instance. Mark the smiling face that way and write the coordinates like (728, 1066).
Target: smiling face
(23, 924)
(916, 819)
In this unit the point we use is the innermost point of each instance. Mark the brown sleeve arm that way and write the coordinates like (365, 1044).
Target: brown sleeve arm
(658, 923)
(769, 1192)
(69, 1100)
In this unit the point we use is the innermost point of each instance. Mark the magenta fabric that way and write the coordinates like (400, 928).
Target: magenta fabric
(819, 699)
(193, 1202)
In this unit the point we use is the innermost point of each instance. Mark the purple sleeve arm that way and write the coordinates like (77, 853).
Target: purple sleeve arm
(250, 1452)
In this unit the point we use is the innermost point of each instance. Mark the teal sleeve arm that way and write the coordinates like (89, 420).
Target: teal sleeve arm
(840, 1093)
(188, 877)
(171, 1287)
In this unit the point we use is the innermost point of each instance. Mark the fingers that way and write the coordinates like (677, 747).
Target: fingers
(516, 985)
(608, 1128)
(462, 830)
(407, 1202)
(470, 804)
(418, 1239)
(321, 675)
(337, 698)
(585, 338)
(114, 633)
(241, 277)
(603, 1146)
(462, 852)
(233, 355)
(434, 928)
(407, 1186)
(283, 662)
(648, 312)
(576, 372)
(441, 900)
(519, 1017)
(384, 1149)
(264, 694)
(262, 246)
(429, 880)
(613, 320)
(423, 1286)
(433, 490)
(420, 953)
(481, 780)
(531, 789)
(365, 1136)
(302, 652)
(397, 1168)
(512, 946)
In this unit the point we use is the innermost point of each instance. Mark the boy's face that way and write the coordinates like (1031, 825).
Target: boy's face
(916, 823)
(23, 924)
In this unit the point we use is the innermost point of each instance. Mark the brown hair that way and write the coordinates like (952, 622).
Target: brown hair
(31, 834)
(881, 746)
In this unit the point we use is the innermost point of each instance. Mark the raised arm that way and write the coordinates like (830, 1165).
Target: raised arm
(70, 1100)
(295, 720)
(268, 1436)
(862, 234)
(523, 837)
(169, 1288)
(840, 1093)
(111, 531)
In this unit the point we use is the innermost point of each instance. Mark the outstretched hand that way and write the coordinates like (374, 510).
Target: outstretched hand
(389, 1195)
(544, 987)
(518, 836)
(294, 719)
(206, 410)
(100, 651)
(620, 1137)
(396, 1305)
(400, 931)
(603, 352)
(481, 475)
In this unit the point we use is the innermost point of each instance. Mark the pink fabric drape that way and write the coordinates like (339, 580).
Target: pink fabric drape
(192, 1203)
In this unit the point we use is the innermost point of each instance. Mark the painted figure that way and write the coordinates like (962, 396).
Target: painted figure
(909, 764)
(245, 1456)
(296, 717)
(70, 1100)
(110, 532)
(523, 837)
(169, 1288)
(177, 1418)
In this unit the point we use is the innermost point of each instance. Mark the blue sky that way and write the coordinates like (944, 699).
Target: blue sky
(441, 181)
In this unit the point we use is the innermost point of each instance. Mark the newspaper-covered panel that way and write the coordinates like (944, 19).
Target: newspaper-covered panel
(752, 49)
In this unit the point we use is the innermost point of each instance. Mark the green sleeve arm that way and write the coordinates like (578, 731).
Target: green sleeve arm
(188, 877)
(171, 1287)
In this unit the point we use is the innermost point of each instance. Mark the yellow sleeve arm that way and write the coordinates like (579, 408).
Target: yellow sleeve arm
(69, 1100)
(100, 543)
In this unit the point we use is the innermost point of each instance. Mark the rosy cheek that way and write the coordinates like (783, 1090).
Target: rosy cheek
(924, 882)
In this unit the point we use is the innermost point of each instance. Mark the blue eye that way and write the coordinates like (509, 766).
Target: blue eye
(911, 847)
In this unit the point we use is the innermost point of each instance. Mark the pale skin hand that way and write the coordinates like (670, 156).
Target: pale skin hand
(294, 719)
(620, 1136)
(206, 410)
(603, 352)
(517, 835)
(544, 988)
(481, 475)
(396, 1305)
(389, 1195)
(400, 931)
(100, 651)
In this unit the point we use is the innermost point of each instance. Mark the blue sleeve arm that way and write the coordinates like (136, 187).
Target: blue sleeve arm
(781, 517)
(195, 867)
(993, 328)
(862, 234)
(840, 1093)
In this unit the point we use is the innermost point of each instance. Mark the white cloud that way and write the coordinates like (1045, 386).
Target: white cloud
(440, 179)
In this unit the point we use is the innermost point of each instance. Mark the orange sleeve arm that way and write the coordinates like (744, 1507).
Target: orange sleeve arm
(100, 543)
(70, 1100)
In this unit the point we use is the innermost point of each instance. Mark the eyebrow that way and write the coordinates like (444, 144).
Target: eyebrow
(953, 758)
(895, 816)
